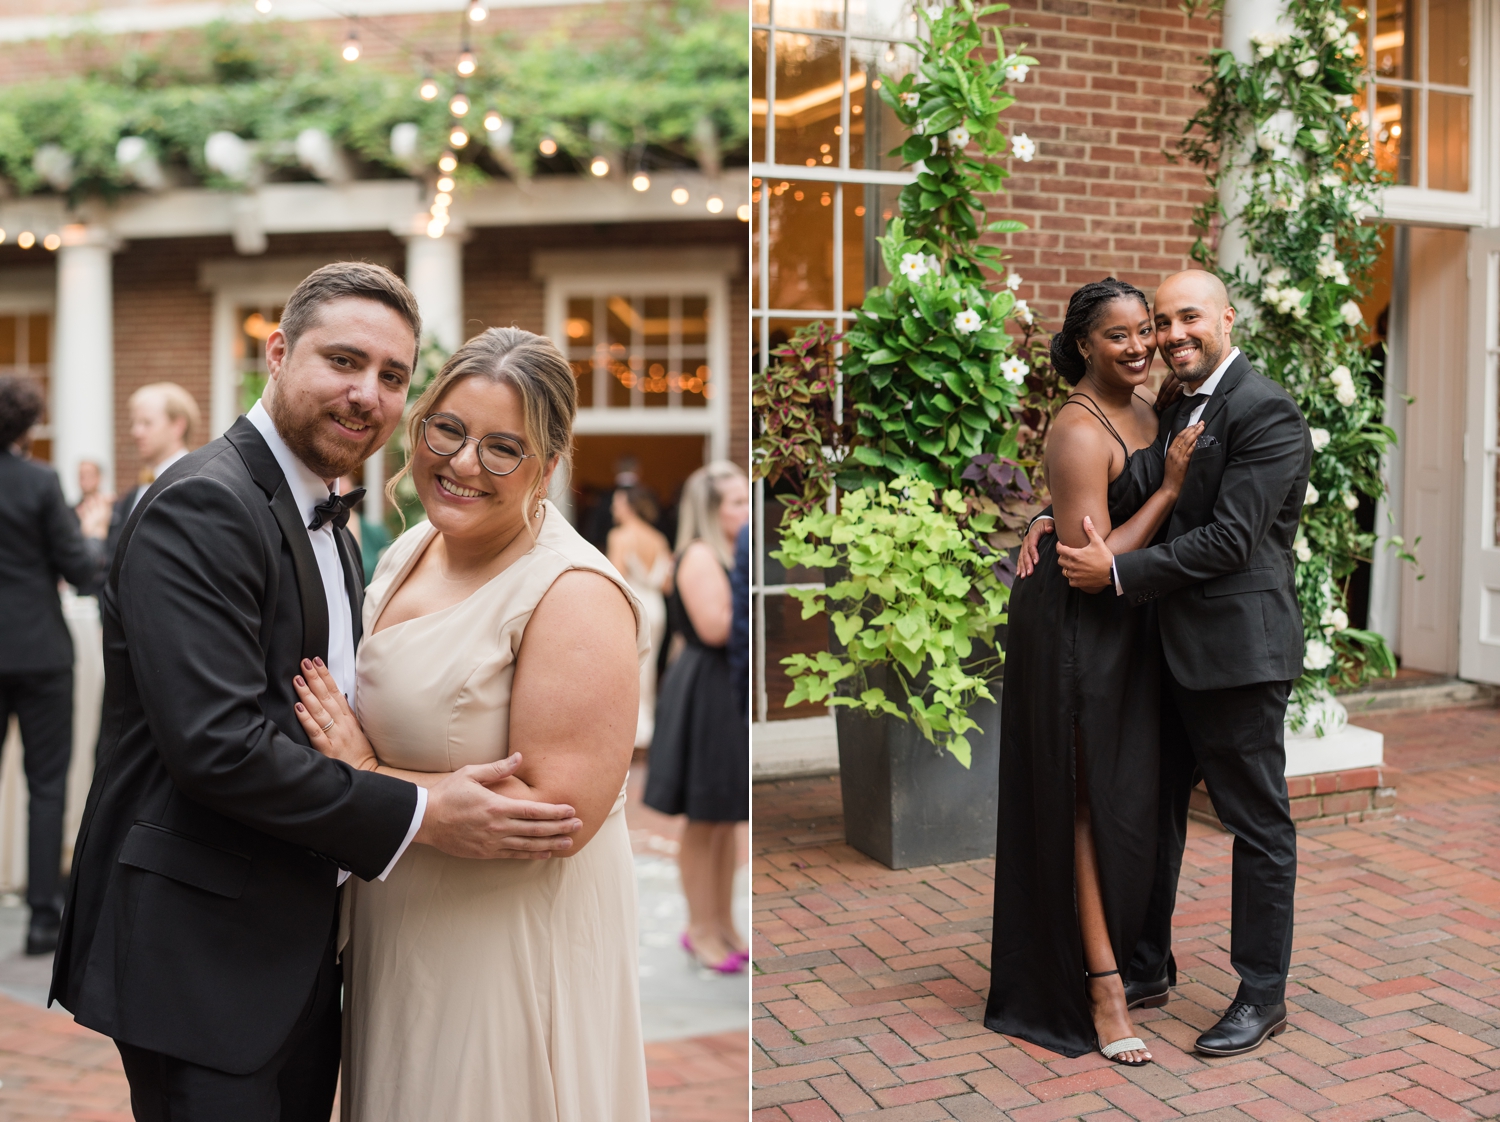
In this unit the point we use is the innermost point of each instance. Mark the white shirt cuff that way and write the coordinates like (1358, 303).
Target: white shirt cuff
(1115, 576)
(416, 824)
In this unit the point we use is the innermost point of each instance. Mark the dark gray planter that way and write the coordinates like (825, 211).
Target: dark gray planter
(908, 802)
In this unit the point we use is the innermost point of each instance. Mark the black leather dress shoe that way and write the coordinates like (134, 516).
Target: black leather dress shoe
(41, 935)
(1147, 995)
(1243, 1029)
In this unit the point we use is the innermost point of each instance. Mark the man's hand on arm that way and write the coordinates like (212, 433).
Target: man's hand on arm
(1090, 567)
(464, 818)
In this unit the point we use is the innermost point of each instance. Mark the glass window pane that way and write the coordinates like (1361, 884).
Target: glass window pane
(814, 15)
(1448, 142)
(1448, 34)
(801, 245)
(39, 339)
(867, 210)
(1396, 39)
(580, 331)
(7, 340)
(620, 319)
(1357, 15)
(692, 380)
(809, 93)
(889, 20)
(758, 48)
(694, 321)
(760, 11)
(1395, 133)
(873, 128)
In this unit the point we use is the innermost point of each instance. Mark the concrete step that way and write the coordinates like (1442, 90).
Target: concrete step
(1423, 694)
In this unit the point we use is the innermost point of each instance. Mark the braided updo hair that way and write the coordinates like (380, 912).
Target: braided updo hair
(1084, 309)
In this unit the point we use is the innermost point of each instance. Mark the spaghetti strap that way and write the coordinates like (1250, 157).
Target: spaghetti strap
(1094, 408)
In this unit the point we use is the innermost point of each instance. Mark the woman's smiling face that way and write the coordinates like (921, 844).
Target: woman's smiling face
(1121, 344)
(460, 496)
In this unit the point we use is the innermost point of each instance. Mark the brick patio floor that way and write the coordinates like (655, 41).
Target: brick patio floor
(870, 983)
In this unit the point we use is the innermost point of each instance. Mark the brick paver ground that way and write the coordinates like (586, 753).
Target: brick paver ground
(870, 983)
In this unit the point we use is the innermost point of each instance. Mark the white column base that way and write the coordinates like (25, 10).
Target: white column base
(789, 749)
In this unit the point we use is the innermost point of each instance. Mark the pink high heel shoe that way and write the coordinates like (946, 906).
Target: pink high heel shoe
(732, 963)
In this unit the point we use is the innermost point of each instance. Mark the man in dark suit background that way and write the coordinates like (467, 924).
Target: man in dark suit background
(40, 543)
(201, 927)
(1222, 575)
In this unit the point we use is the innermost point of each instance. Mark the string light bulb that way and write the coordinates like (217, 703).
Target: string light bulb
(26, 239)
(466, 64)
(51, 241)
(547, 146)
(445, 184)
(742, 212)
(599, 166)
(458, 137)
(477, 11)
(428, 89)
(2, 237)
(493, 120)
(263, 7)
(459, 106)
(447, 162)
(350, 49)
(890, 52)
(641, 181)
(680, 195)
(714, 204)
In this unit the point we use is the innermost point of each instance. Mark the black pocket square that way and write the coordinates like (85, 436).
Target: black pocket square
(1207, 440)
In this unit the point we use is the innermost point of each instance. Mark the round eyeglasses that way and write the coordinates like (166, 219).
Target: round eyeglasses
(445, 435)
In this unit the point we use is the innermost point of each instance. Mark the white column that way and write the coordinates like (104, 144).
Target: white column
(435, 275)
(83, 362)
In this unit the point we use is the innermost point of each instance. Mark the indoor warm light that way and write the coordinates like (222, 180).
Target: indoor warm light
(547, 146)
(51, 241)
(1396, 130)
(445, 184)
(599, 166)
(466, 63)
(442, 198)
(263, 6)
(2, 237)
(458, 138)
(680, 195)
(428, 89)
(714, 204)
(493, 120)
(26, 240)
(447, 161)
(350, 49)
(477, 11)
(742, 212)
(641, 181)
(459, 105)
(434, 229)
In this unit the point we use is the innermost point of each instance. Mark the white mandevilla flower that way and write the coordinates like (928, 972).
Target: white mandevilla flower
(959, 137)
(1023, 312)
(1311, 498)
(1351, 501)
(1022, 147)
(1017, 72)
(1350, 313)
(910, 99)
(967, 322)
(1014, 371)
(1302, 550)
(1013, 281)
(1318, 655)
(932, 263)
(1307, 68)
(1320, 439)
(913, 266)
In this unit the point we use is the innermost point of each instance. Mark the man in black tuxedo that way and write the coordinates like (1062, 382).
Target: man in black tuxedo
(1222, 575)
(201, 928)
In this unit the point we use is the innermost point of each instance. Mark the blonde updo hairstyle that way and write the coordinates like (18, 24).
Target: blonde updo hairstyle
(532, 366)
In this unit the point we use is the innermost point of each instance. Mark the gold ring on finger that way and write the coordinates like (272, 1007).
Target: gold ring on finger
(329, 725)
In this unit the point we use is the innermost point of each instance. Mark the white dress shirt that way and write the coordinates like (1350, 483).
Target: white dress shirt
(155, 475)
(308, 490)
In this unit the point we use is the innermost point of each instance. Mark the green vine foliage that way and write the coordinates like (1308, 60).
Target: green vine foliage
(647, 92)
(1286, 129)
(913, 594)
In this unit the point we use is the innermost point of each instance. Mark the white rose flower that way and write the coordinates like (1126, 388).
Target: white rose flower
(1345, 394)
(1278, 275)
(1320, 137)
(1317, 656)
(1023, 312)
(959, 137)
(1343, 101)
(1303, 550)
(1351, 42)
(1332, 179)
(913, 266)
(967, 322)
(1340, 274)
(1337, 618)
(1013, 281)
(910, 100)
(1331, 33)
(1311, 499)
(1022, 147)
(1320, 439)
(1268, 140)
(1341, 375)
(1014, 371)
(1351, 501)
(1327, 266)
(1307, 68)
(1350, 312)
(1017, 73)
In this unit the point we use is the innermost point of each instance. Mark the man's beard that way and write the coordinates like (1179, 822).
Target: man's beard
(303, 435)
(1210, 351)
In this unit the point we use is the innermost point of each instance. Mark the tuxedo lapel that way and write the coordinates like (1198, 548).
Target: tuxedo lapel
(266, 473)
(1232, 378)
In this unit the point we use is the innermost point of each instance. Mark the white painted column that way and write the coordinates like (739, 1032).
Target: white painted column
(435, 274)
(83, 358)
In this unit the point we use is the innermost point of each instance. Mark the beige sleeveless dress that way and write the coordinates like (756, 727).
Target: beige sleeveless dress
(485, 991)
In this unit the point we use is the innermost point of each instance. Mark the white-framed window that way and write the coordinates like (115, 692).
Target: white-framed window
(27, 303)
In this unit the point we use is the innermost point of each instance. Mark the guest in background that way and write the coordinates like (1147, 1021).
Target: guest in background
(94, 508)
(640, 552)
(40, 542)
(163, 418)
(700, 752)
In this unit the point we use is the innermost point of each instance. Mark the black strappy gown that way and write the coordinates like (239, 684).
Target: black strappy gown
(1090, 662)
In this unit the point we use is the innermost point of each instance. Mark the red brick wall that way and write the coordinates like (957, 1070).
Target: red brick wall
(1110, 98)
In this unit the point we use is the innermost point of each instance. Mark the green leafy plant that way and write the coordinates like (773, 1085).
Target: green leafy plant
(801, 438)
(912, 593)
(1284, 131)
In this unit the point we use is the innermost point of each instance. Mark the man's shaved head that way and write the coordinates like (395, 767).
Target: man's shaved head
(1193, 315)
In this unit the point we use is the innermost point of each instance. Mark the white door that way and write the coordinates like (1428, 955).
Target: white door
(1479, 621)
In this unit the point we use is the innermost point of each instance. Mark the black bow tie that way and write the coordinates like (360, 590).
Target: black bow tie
(336, 509)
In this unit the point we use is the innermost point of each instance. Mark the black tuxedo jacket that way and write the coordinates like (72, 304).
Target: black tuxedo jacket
(1222, 570)
(40, 542)
(205, 875)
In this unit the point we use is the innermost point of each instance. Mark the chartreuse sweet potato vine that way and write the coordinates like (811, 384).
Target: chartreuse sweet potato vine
(1286, 128)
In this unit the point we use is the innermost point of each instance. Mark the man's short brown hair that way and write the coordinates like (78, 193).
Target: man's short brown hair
(176, 402)
(348, 278)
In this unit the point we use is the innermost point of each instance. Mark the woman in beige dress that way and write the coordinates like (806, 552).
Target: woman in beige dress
(488, 991)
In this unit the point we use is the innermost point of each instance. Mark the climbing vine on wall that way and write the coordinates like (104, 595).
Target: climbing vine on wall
(1285, 132)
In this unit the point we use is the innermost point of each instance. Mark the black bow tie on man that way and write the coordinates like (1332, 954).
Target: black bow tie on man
(336, 509)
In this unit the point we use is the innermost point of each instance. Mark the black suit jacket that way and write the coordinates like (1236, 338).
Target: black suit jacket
(1223, 571)
(204, 882)
(40, 542)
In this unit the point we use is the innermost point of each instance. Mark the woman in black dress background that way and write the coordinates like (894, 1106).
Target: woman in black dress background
(1079, 712)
